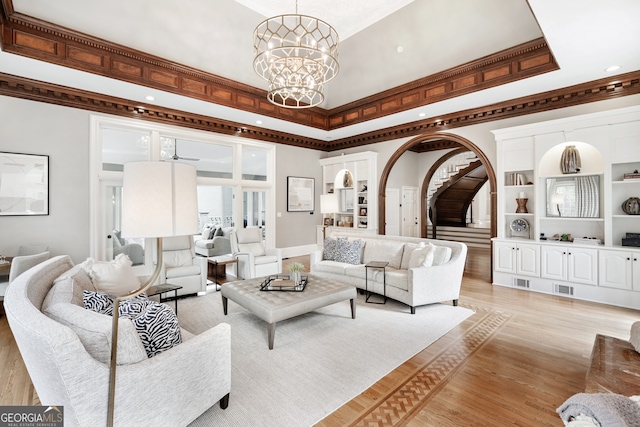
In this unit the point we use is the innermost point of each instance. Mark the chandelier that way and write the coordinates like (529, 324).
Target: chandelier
(297, 55)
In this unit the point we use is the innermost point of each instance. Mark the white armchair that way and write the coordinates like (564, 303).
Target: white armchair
(20, 264)
(182, 267)
(253, 259)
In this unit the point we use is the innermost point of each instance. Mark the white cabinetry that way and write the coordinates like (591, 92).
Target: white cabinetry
(517, 258)
(620, 269)
(572, 264)
(560, 206)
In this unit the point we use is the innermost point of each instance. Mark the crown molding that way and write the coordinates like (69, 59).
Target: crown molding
(34, 90)
(44, 41)
(599, 90)
(594, 91)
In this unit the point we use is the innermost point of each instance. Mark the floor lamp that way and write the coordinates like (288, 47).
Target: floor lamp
(328, 205)
(159, 200)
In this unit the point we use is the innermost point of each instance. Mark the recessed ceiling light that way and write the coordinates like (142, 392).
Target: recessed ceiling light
(149, 98)
(258, 122)
(399, 49)
(421, 115)
(612, 68)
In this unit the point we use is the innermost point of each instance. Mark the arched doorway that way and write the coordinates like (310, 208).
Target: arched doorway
(468, 145)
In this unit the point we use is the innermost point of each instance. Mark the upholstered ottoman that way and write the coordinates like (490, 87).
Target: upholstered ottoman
(274, 306)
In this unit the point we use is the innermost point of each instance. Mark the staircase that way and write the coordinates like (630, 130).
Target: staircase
(449, 197)
(472, 236)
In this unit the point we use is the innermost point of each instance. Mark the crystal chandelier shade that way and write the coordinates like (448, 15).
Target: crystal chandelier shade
(297, 55)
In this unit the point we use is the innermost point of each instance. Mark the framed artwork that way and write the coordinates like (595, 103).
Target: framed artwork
(328, 222)
(24, 184)
(300, 194)
(363, 211)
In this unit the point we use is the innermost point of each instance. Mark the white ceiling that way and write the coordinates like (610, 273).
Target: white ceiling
(586, 36)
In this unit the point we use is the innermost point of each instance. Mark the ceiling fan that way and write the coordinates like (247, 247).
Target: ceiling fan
(175, 154)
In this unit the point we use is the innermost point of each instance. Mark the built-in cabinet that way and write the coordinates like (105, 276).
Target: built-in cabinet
(569, 263)
(356, 196)
(517, 258)
(576, 255)
(620, 269)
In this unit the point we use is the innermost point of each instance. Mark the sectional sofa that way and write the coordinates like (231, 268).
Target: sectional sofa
(411, 277)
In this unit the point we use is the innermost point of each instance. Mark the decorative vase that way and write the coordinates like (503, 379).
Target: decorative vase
(295, 276)
(522, 205)
(570, 160)
(631, 206)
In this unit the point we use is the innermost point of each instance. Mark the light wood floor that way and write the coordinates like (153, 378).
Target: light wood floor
(512, 363)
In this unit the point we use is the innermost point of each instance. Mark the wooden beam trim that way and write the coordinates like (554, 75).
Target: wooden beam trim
(623, 85)
(20, 87)
(599, 90)
(219, 90)
(148, 65)
(441, 86)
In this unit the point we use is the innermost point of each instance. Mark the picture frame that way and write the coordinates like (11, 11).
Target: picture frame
(363, 211)
(300, 194)
(24, 184)
(328, 222)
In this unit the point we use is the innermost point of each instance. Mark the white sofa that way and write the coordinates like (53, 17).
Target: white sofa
(412, 286)
(67, 350)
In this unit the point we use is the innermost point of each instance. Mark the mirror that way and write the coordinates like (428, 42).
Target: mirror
(346, 200)
(574, 197)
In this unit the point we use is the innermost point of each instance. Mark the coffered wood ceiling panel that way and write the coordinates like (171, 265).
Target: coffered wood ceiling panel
(516, 57)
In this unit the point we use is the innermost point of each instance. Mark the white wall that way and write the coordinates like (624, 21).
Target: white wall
(295, 229)
(62, 134)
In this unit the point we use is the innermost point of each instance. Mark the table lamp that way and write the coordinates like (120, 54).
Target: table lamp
(557, 199)
(328, 205)
(159, 200)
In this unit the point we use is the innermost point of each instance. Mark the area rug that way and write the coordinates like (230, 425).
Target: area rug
(320, 360)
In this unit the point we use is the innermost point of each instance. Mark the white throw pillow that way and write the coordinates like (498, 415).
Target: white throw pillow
(113, 277)
(442, 255)
(422, 256)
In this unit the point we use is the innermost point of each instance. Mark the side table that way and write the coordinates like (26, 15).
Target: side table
(163, 289)
(380, 265)
(214, 264)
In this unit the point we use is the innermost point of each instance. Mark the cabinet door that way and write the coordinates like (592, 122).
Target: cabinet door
(528, 259)
(504, 257)
(583, 266)
(615, 269)
(553, 262)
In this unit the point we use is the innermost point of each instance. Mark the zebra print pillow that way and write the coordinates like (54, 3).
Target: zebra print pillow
(101, 302)
(98, 301)
(156, 324)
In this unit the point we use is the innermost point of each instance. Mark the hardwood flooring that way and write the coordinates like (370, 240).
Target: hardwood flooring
(512, 363)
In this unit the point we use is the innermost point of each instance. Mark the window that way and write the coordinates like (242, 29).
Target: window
(223, 195)
(122, 146)
(210, 160)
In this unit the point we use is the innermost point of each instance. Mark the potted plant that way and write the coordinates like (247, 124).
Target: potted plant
(295, 272)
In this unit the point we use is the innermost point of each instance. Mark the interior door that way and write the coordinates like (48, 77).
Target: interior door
(410, 211)
(392, 211)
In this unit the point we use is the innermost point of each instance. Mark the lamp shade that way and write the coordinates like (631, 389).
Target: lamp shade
(329, 203)
(557, 199)
(159, 200)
